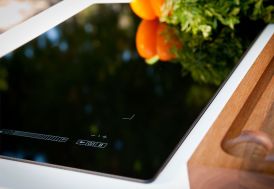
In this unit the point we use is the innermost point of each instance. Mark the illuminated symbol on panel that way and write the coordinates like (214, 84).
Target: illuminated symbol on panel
(129, 118)
(92, 144)
(1, 132)
(99, 136)
(81, 142)
(104, 137)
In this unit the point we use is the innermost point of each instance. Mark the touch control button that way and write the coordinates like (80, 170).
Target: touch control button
(93, 144)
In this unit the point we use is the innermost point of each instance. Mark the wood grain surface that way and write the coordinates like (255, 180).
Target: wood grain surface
(238, 150)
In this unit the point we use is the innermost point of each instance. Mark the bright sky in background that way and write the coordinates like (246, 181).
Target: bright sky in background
(13, 12)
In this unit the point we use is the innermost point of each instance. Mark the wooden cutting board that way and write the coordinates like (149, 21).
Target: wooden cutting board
(238, 150)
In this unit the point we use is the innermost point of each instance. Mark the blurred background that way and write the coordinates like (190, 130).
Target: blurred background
(13, 12)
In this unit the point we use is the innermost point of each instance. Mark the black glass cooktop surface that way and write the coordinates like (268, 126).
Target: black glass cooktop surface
(80, 96)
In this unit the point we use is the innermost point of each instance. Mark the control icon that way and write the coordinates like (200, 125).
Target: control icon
(104, 137)
(99, 136)
(81, 142)
(129, 118)
(93, 144)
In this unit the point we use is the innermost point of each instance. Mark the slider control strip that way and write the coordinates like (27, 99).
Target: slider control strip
(34, 135)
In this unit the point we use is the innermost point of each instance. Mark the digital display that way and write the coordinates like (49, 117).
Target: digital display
(81, 95)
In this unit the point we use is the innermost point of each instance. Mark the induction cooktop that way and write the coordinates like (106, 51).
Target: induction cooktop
(80, 97)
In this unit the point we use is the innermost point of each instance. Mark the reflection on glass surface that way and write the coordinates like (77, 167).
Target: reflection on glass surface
(175, 30)
(13, 12)
(85, 80)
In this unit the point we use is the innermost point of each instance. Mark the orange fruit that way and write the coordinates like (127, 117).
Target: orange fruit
(143, 9)
(166, 41)
(146, 38)
(156, 5)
